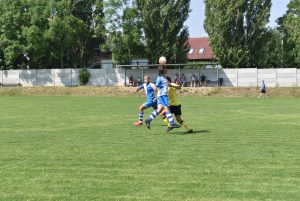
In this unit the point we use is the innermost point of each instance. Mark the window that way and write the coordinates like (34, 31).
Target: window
(201, 51)
(191, 51)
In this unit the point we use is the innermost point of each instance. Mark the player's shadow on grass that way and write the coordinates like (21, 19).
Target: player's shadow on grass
(197, 132)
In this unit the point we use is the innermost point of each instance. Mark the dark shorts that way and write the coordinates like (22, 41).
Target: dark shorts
(263, 91)
(176, 110)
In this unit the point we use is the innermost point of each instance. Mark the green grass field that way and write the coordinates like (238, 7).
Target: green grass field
(86, 148)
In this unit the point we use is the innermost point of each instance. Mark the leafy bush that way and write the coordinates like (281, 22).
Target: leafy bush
(84, 76)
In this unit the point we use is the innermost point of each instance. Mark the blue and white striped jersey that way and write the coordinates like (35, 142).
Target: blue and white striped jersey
(162, 86)
(149, 90)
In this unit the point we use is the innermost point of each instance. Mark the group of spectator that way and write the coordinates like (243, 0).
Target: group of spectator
(178, 79)
(135, 82)
(194, 80)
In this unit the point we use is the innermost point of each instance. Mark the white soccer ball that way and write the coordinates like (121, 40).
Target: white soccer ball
(162, 60)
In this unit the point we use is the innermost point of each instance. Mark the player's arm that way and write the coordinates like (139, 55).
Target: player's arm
(158, 83)
(155, 91)
(139, 88)
(155, 88)
(176, 86)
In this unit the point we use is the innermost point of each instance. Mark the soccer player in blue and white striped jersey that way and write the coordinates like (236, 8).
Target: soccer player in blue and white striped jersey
(149, 88)
(162, 98)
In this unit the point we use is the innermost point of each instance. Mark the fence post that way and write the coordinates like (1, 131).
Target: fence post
(71, 77)
(179, 72)
(198, 77)
(106, 72)
(125, 76)
(19, 78)
(257, 77)
(142, 74)
(36, 77)
(296, 77)
(276, 83)
(237, 77)
(218, 77)
(53, 71)
(2, 78)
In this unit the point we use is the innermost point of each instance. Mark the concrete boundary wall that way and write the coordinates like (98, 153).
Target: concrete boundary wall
(247, 77)
(268, 75)
(286, 77)
(251, 77)
(229, 77)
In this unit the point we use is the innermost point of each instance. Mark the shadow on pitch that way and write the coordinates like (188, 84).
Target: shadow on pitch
(193, 133)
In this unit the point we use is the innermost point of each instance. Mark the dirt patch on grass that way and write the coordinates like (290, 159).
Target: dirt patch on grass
(129, 91)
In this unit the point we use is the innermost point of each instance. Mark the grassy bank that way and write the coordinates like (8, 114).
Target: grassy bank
(128, 91)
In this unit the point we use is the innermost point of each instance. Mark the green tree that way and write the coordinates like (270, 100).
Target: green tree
(271, 53)
(163, 26)
(49, 33)
(237, 30)
(91, 12)
(289, 26)
(37, 47)
(13, 18)
(124, 31)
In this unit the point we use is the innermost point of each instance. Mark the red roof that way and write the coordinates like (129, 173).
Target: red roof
(200, 49)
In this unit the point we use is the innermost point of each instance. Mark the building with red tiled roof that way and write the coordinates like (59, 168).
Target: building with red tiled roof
(200, 50)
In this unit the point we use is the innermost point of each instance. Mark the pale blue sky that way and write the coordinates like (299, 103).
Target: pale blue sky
(196, 18)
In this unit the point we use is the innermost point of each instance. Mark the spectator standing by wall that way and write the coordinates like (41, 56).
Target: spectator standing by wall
(139, 81)
(194, 80)
(176, 78)
(203, 80)
(182, 80)
(131, 81)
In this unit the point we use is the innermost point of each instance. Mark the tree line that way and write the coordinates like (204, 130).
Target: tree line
(240, 37)
(64, 33)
